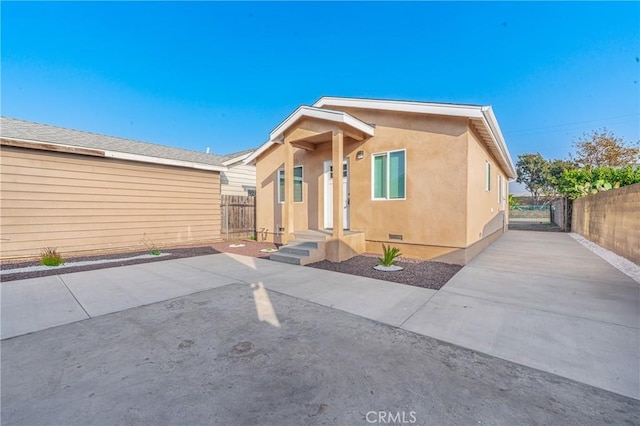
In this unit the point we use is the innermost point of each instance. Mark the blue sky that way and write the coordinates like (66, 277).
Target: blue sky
(223, 75)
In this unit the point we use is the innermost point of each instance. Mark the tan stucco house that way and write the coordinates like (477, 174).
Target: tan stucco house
(429, 178)
(83, 192)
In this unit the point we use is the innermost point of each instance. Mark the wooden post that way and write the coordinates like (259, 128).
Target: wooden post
(227, 210)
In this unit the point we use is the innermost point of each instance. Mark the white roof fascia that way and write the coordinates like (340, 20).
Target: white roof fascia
(130, 157)
(236, 159)
(485, 113)
(321, 114)
(163, 161)
(255, 154)
(403, 106)
(492, 124)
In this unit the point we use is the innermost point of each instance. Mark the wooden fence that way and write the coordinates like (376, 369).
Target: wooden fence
(238, 216)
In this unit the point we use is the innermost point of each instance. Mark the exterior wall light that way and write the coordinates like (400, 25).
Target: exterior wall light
(359, 155)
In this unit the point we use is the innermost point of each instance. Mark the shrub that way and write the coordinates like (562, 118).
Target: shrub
(49, 256)
(580, 182)
(155, 252)
(389, 255)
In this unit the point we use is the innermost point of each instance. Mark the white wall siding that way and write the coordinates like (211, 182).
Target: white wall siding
(237, 179)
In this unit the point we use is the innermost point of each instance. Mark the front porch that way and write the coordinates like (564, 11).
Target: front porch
(312, 130)
(312, 246)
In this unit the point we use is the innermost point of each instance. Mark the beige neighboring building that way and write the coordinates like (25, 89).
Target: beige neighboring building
(431, 179)
(84, 193)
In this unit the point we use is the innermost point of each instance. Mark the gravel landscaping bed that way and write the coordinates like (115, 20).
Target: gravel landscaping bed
(250, 248)
(173, 253)
(418, 273)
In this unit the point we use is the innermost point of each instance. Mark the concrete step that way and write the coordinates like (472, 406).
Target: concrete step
(304, 249)
(300, 252)
(293, 259)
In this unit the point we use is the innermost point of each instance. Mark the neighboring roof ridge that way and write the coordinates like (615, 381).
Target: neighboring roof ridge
(32, 131)
(99, 134)
(232, 155)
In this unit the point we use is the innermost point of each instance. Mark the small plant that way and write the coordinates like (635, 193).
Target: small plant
(49, 256)
(389, 255)
(151, 246)
(513, 202)
(253, 238)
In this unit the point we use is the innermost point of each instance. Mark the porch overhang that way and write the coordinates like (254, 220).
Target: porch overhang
(352, 128)
(350, 124)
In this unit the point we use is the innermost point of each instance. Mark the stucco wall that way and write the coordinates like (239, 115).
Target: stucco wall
(83, 204)
(611, 219)
(433, 212)
(485, 208)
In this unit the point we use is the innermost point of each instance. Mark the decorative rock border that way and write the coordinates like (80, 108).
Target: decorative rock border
(392, 268)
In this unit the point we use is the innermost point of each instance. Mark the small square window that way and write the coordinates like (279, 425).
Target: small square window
(389, 175)
(297, 185)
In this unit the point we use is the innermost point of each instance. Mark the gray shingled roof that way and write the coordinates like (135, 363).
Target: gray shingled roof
(19, 129)
(237, 154)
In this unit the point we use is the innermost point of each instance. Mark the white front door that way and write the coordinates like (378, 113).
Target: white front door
(328, 194)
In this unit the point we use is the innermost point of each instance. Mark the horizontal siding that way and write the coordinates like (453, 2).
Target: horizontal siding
(236, 180)
(84, 204)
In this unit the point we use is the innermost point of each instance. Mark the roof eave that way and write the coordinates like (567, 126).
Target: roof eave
(236, 159)
(402, 106)
(473, 112)
(251, 159)
(493, 126)
(120, 155)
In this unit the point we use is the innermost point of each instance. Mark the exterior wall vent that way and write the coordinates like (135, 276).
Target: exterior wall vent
(395, 237)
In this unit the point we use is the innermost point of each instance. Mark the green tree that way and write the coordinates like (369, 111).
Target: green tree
(603, 148)
(533, 172)
(557, 168)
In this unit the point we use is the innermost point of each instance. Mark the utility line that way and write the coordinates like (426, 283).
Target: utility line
(556, 126)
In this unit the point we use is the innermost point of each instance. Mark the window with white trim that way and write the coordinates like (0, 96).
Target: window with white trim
(297, 185)
(388, 175)
(487, 180)
(499, 189)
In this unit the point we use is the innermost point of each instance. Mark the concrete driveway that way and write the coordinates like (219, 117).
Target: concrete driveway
(236, 340)
(543, 300)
